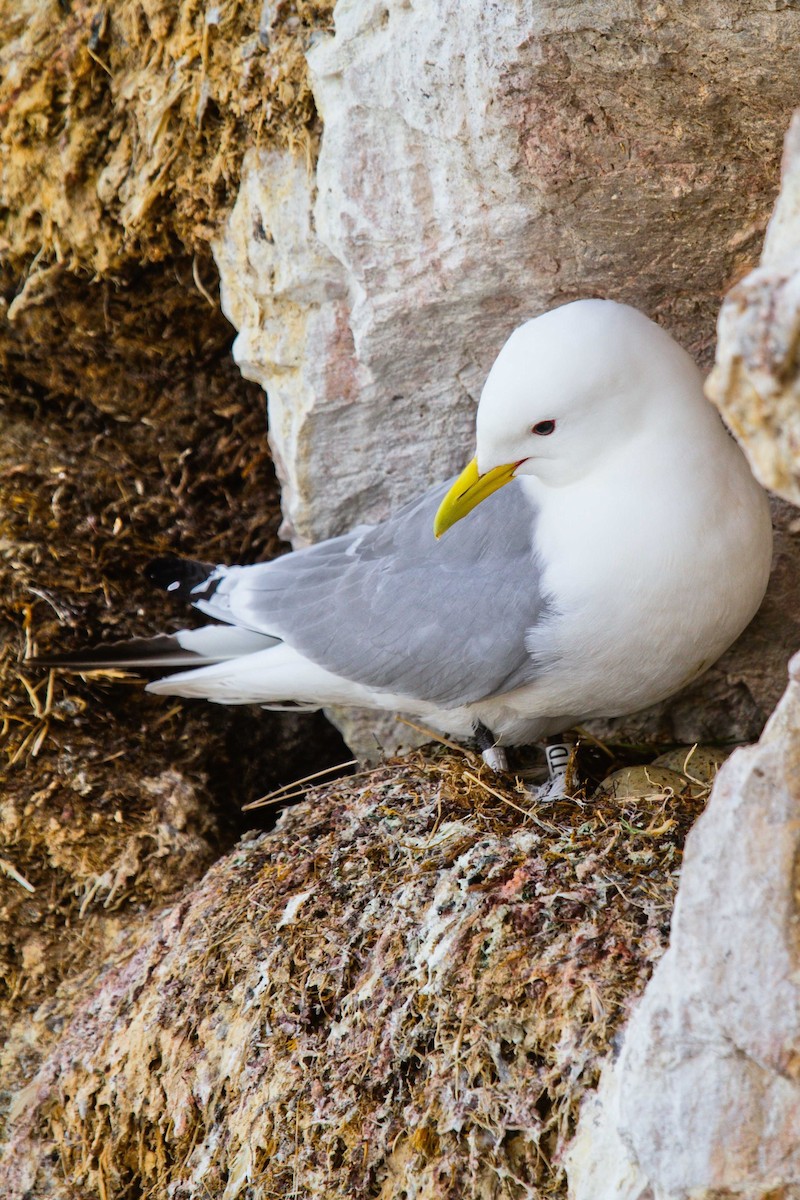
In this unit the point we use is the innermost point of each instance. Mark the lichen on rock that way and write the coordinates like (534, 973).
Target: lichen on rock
(709, 1059)
(406, 987)
(756, 377)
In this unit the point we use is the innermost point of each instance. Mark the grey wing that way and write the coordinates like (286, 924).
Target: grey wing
(392, 608)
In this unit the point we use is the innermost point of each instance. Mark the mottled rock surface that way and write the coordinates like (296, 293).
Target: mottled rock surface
(710, 1061)
(756, 378)
(405, 988)
(124, 125)
(111, 801)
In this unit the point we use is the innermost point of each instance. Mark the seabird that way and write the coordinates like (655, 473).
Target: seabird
(604, 547)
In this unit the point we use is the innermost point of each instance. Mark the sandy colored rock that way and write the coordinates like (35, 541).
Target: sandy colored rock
(124, 125)
(125, 431)
(709, 1060)
(755, 381)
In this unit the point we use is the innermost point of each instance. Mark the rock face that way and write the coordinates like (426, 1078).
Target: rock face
(480, 163)
(756, 379)
(124, 126)
(710, 1061)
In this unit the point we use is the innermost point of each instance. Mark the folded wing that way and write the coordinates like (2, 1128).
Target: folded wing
(390, 608)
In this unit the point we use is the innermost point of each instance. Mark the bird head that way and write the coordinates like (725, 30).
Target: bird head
(568, 389)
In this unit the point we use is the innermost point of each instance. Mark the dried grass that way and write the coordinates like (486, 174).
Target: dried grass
(112, 451)
(126, 432)
(124, 126)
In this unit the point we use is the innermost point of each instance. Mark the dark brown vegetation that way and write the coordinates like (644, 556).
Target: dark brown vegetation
(125, 431)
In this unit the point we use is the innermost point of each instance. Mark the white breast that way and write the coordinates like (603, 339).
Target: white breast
(653, 572)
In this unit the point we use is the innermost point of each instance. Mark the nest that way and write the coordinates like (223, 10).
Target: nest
(405, 989)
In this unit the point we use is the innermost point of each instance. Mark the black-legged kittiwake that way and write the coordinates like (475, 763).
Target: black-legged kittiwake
(607, 543)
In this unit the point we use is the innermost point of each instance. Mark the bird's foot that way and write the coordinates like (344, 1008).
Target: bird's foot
(495, 758)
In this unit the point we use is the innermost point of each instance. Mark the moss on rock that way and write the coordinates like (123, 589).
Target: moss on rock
(405, 989)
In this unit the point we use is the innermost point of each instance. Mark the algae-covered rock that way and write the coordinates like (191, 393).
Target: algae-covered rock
(406, 987)
(125, 124)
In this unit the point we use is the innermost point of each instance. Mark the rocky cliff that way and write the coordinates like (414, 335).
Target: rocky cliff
(413, 985)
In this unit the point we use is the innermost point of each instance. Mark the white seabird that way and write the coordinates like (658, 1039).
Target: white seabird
(605, 546)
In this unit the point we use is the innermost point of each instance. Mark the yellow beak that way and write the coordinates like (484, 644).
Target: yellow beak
(468, 491)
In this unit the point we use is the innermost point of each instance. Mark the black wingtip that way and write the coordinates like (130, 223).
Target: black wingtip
(132, 657)
(179, 576)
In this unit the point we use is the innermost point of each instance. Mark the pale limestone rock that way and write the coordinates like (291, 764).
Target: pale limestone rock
(756, 380)
(478, 164)
(704, 1099)
(285, 294)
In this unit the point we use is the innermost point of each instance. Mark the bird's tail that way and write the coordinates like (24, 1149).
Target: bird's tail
(195, 582)
(184, 649)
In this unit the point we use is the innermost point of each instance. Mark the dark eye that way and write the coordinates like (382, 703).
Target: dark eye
(543, 428)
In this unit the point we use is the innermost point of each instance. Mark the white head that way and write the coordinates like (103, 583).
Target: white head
(570, 388)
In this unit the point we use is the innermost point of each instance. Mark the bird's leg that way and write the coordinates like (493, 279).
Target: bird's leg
(493, 755)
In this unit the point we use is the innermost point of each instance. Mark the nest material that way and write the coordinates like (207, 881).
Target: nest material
(172, 459)
(125, 431)
(404, 990)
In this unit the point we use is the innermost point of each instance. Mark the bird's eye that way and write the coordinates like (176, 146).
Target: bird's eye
(543, 428)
